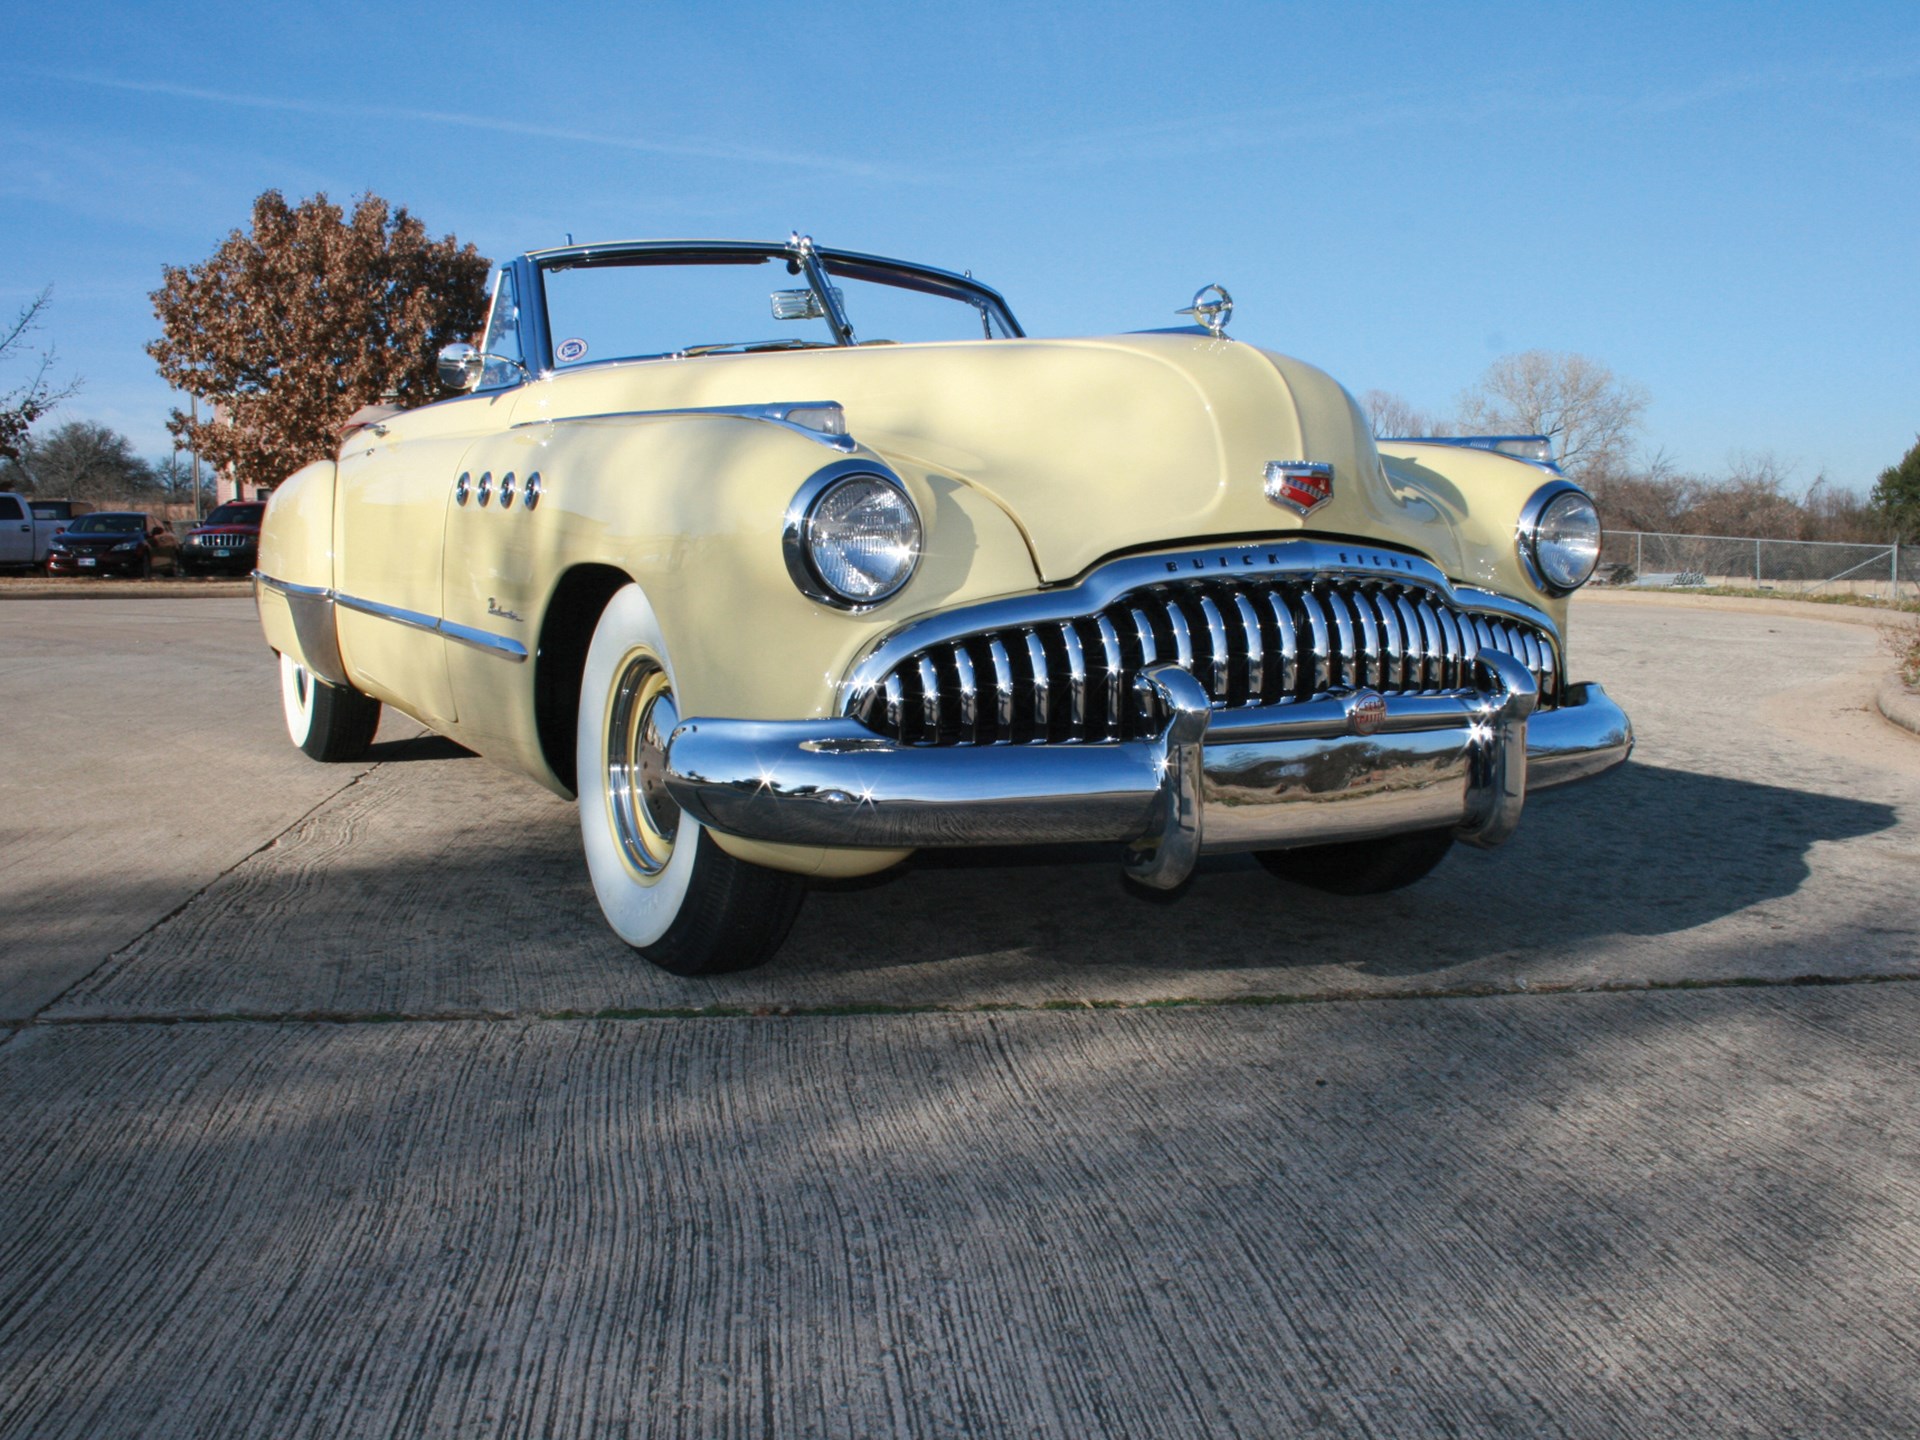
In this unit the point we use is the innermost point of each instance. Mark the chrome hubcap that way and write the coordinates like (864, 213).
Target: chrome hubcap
(640, 721)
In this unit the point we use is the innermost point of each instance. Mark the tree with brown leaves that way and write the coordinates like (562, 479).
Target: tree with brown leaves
(289, 328)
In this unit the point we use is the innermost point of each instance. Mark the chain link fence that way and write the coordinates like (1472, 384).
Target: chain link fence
(1645, 558)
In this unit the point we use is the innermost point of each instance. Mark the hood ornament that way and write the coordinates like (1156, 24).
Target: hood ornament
(1213, 313)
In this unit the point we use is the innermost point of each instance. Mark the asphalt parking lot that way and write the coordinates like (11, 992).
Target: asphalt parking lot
(330, 1107)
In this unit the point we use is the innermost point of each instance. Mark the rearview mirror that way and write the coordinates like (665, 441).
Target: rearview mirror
(797, 305)
(460, 367)
(803, 304)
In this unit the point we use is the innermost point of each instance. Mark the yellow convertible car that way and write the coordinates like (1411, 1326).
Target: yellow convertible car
(788, 561)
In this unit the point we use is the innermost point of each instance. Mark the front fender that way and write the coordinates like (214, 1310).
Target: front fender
(693, 508)
(1480, 493)
(296, 550)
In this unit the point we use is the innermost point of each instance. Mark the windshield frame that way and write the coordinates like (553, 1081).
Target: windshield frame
(814, 264)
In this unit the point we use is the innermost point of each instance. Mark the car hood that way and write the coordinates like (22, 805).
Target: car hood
(1092, 446)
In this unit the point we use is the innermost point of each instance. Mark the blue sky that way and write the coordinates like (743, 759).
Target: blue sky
(1719, 201)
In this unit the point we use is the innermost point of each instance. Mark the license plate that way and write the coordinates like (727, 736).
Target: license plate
(222, 554)
(88, 560)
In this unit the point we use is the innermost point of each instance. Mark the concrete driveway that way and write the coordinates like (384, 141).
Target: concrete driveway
(331, 1108)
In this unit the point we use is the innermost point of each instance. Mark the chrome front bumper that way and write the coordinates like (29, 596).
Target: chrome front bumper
(1343, 767)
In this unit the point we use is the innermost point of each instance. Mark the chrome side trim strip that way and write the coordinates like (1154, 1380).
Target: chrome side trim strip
(287, 587)
(503, 647)
(411, 618)
(485, 641)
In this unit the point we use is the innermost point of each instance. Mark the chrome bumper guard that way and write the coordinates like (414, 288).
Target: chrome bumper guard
(1347, 766)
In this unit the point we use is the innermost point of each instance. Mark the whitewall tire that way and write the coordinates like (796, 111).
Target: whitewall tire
(664, 884)
(330, 722)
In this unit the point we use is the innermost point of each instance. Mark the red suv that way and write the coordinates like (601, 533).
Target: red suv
(226, 541)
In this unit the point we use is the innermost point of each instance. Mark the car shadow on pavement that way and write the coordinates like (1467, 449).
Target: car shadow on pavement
(1646, 851)
(424, 746)
(437, 890)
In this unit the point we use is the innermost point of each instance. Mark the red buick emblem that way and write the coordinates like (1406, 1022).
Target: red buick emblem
(1300, 485)
(1367, 712)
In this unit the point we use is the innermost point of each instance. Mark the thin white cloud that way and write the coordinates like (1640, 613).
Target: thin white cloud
(1253, 128)
(1813, 80)
(694, 149)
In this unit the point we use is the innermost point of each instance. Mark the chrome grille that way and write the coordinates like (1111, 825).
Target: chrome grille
(1248, 641)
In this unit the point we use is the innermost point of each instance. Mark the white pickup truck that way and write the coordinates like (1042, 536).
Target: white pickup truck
(18, 543)
(28, 525)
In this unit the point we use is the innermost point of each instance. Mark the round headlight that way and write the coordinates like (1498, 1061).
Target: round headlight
(852, 535)
(1560, 538)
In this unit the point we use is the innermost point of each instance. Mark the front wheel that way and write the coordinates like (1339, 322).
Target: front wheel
(1361, 867)
(330, 722)
(664, 884)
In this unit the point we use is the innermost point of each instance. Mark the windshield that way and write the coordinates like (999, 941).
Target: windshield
(109, 525)
(689, 303)
(234, 515)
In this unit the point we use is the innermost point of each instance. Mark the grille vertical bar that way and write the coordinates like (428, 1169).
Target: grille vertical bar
(1322, 640)
(969, 695)
(1076, 681)
(929, 700)
(1001, 664)
(1219, 686)
(1289, 641)
(1182, 636)
(1114, 680)
(1252, 645)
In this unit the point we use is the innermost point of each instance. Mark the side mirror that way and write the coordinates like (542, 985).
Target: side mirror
(460, 367)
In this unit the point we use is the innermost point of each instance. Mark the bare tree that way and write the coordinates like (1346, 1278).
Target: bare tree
(1390, 415)
(1591, 415)
(81, 460)
(1750, 500)
(24, 404)
(173, 473)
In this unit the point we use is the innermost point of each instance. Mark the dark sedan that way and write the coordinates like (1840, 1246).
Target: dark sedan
(115, 542)
(226, 542)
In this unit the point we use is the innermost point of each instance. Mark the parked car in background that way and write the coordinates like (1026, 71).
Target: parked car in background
(787, 562)
(115, 542)
(227, 542)
(17, 546)
(51, 518)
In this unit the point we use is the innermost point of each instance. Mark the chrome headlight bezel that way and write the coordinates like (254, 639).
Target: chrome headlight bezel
(801, 535)
(1549, 571)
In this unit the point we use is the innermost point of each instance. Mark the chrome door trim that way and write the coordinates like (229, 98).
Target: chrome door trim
(501, 647)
